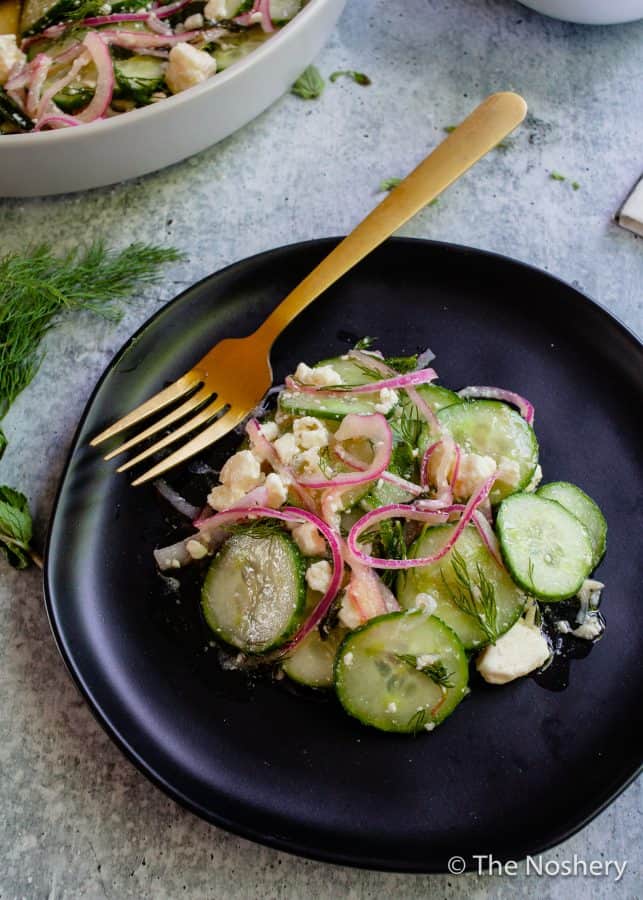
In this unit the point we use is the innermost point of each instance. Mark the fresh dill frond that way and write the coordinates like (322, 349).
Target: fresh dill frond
(365, 343)
(3, 442)
(419, 720)
(331, 619)
(37, 287)
(260, 529)
(403, 364)
(370, 373)
(325, 462)
(475, 596)
(409, 426)
(436, 671)
(388, 543)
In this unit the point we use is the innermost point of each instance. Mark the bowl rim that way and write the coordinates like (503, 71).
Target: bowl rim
(267, 49)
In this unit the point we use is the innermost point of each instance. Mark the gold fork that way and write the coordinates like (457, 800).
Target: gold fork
(214, 385)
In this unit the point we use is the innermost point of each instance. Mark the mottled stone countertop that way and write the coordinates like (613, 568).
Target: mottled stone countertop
(76, 819)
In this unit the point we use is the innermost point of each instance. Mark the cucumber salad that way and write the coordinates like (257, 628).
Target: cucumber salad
(382, 536)
(77, 61)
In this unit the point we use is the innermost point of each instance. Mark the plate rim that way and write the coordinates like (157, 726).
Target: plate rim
(217, 819)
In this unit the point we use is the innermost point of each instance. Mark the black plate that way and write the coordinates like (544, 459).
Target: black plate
(516, 769)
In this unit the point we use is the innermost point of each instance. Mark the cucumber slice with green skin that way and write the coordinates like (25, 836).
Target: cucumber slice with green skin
(254, 594)
(546, 548)
(312, 662)
(138, 77)
(73, 98)
(377, 679)
(584, 508)
(39, 14)
(437, 396)
(350, 372)
(236, 47)
(296, 403)
(384, 493)
(439, 581)
(492, 428)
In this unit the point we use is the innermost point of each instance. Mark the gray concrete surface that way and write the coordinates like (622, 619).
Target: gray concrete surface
(76, 820)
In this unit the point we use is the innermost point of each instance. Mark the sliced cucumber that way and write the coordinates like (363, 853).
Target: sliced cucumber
(438, 397)
(297, 403)
(38, 14)
(377, 676)
(546, 548)
(491, 428)
(383, 493)
(233, 48)
(584, 508)
(312, 662)
(254, 593)
(439, 581)
(350, 371)
(73, 97)
(138, 77)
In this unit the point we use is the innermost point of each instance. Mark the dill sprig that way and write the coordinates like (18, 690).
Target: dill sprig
(475, 596)
(419, 720)
(403, 364)
(365, 343)
(260, 529)
(37, 287)
(388, 543)
(436, 671)
(325, 463)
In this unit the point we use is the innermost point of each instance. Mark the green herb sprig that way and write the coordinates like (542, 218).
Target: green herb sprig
(436, 671)
(474, 595)
(16, 529)
(37, 287)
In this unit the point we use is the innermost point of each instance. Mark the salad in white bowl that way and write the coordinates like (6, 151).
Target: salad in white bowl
(379, 535)
(79, 61)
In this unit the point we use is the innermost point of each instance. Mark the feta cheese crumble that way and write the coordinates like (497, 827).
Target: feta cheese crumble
(318, 576)
(310, 432)
(309, 540)
(473, 472)
(387, 400)
(187, 67)
(518, 652)
(322, 376)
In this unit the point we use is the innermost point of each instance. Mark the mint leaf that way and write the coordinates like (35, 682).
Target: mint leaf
(309, 85)
(15, 527)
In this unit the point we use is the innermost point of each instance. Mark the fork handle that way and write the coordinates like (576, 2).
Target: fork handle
(480, 132)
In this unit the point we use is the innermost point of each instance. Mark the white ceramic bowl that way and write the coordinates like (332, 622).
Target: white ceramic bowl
(141, 141)
(590, 12)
